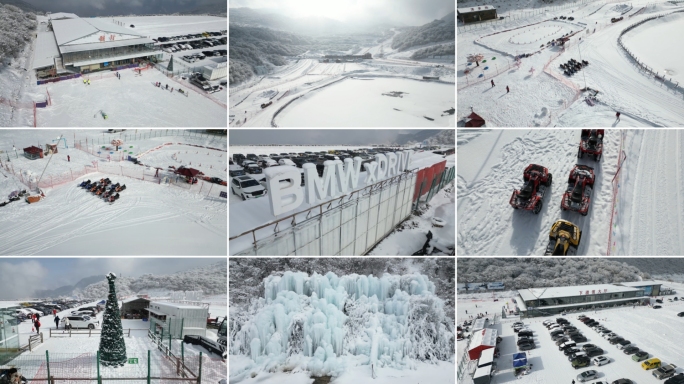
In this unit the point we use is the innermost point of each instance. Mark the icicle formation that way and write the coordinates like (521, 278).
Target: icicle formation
(112, 346)
(332, 321)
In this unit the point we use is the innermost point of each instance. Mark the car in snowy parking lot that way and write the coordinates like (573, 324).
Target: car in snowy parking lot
(622, 381)
(639, 356)
(247, 188)
(587, 375)
(570, 351)
(630, 350)
(600, 360)
(81, 321)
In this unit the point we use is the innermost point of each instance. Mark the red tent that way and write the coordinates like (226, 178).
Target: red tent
(188, 172)
(474, 120)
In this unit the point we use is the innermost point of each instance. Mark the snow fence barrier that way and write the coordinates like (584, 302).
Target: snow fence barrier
(622, 156)
(144, 366)
(349, 225)
(641, 64)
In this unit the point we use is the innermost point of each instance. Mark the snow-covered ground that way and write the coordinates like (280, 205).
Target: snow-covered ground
(356, 99)
(367, 103)
(657, 332)
(148, 219)
(542, 95)
(649, 218)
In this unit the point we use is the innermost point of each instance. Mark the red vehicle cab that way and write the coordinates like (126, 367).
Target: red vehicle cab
(578, 195)
(529, 197)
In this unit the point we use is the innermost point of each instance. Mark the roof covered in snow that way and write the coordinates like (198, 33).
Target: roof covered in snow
(486, 337)
(133, 299)
(575, 290)
(640, 283)
(62, 15)
(68, 30)
(46, 50)
(475, 9)
(483, 372)
(479, 324)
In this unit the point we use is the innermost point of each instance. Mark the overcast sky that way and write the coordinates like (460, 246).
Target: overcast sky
(90, 8)
(409, 12)
(20, 277)
(315, 136)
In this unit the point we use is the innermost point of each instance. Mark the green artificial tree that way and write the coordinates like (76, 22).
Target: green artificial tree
(170, 67)
(112, 347)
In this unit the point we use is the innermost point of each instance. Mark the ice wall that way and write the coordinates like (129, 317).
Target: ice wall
(324, 322)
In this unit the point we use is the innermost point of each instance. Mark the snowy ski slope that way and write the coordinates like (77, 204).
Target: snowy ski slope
(649, 217)
(541, 95)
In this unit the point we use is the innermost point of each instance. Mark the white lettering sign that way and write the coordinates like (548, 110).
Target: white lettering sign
(284, 189)
(284, 185)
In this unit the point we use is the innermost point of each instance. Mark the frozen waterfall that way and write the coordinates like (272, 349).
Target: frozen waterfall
(321, 323)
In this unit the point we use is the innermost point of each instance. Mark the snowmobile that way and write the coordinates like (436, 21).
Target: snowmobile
(83, 184)
(578, 195)
(120, 188)
(564, 238)
(591, 142)
(94, 187)
(529, 197)
(111, 198)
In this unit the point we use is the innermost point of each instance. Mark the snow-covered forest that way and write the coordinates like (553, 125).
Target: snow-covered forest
(435, 31)
(210, 279)
(437, 50)
(520, 273)
(330, 324)
(16, 29)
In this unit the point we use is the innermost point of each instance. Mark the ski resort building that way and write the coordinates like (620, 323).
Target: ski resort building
(481, 341)
(341, 58)
(178, 319)
(70, 44)
(475, 14)
(9, 336)
(553, 300)
(134, 307)
(33, 153)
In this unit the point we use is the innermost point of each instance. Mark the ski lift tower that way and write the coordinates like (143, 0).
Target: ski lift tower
(61, 138)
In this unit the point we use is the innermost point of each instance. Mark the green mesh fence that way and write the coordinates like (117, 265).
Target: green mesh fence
(156, 367)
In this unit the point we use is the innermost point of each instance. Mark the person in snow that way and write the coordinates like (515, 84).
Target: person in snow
(507, 90)
(171, 89)
(492, 82)
(56, 322)
(67, 325)
(37, 325)
(617, 116)
(68, 160)
(88, 81)
(54, 311)
(12, 376)
(167, 86)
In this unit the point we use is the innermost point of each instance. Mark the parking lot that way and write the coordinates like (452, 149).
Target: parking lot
(656, 331)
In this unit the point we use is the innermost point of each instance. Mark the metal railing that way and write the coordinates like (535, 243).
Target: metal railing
(90, 332)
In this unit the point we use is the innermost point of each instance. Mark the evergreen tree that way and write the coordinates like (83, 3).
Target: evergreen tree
(170, 67)
(112, 347)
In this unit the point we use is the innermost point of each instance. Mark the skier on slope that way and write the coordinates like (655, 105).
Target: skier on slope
(492, 82)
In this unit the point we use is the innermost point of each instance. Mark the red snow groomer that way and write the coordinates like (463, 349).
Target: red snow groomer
(529, 197)
(578, 195)
(591, 142)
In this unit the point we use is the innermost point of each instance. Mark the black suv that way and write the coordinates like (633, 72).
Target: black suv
(594, 352)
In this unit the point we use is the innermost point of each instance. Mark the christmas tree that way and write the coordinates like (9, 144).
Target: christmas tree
(170, 67)
(112, 347)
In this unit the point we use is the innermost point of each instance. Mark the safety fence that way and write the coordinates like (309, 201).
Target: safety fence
(349, 225)
(93, 75)
(139, 134)
(622, 156)
(641, 64)
(89, 331)
(190, 362)
(477, 80)
(144, 367)
(142, 173)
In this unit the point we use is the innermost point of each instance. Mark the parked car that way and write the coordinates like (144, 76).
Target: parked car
(639, 356)
(665, 371)
(676, 379)
(579, 317)
(615, 340)
(622, 381)
(580, 362)
(651, 363)
(659, 301)
(247, 188)
(587, 375)
(657, 307)
(624, 344)
(253, 168)
(567, 345)
(235, 170)
(594, 352)
(81, 321)
(600, 360)
(578, 339)
(526, 347)
(570, 351)
(577, 355)
(680, 314)
(630, 350)
(609, 335)
(588, 346)
(88, 312)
